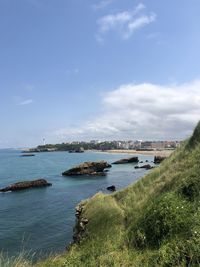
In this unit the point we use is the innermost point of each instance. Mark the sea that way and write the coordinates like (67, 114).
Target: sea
(40, 221)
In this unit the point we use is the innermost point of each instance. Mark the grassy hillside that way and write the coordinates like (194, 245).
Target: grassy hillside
(154, 222)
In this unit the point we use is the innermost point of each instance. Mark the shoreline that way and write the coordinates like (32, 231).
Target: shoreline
(123, 152)
(163, 153)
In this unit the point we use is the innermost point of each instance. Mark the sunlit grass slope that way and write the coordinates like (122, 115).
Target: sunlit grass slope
(154, 222)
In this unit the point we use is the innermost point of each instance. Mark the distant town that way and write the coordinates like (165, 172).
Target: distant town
(81, 146)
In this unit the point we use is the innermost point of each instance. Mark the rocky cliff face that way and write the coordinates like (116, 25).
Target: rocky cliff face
(80, 226)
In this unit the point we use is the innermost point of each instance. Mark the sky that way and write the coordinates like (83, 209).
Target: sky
(98, 69)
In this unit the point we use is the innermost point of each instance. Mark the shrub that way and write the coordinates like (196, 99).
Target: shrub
(180, 252)
(166, 216)
(191, 188)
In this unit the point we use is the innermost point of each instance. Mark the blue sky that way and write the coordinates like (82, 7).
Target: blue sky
(107, 69)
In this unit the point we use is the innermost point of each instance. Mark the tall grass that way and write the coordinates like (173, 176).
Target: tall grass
(18, 261)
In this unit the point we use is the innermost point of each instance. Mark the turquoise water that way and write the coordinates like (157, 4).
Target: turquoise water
(42, 220)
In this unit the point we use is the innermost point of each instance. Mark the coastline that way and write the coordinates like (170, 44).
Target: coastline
(81, 220)
(163, 153)
(68, 188)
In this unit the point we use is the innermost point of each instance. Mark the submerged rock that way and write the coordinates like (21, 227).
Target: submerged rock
(88, 168)
(25, 185)
(111, 188)
(146, 166)
(128, 160)
(158, 159)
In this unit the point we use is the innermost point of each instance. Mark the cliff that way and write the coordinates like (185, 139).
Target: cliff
(154, 222)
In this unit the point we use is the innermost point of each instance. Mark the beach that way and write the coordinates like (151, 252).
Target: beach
(163, 153)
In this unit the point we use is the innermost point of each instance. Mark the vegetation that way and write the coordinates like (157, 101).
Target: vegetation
(20, 261)
(154, 222)
(76, 146)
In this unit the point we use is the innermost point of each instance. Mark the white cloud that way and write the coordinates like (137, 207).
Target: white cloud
(102, 4)
(147, 111)
(25, 102)
(138, 23)
(124, 23)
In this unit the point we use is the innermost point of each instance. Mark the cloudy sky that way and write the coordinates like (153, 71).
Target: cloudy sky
(98, 69)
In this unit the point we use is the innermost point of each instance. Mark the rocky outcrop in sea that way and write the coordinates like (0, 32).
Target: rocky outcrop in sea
(158, 159)
(26, 185)
(146, 167)
(88, 168)
(111, 188)
(128, 160)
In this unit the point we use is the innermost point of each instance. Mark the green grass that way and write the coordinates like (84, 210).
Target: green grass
(154, 222)
(19, 261)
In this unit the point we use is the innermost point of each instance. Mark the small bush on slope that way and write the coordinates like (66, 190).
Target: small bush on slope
(191, 188)
(166, 217)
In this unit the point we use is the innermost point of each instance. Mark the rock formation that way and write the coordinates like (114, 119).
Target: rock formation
(26, 185)
(128, 160)
(146, 166)
(78, 150)
(111, 188)
(27, 155)
(80, 225)
(158, 159)
(88, 168)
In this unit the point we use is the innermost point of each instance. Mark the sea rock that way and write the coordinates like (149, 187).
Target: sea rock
(88, 168)
(128, 160)
(27, 155)
(146, 166)
(158, 159)
(78, 150)
(25, 185)
(111, 188)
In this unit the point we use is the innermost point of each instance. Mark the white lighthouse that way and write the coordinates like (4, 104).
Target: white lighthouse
(44, 142)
